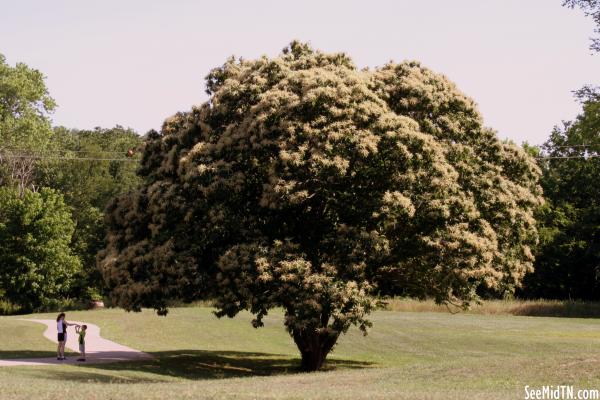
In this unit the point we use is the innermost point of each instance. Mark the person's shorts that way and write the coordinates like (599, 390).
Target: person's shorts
(82, 347)
(61, 337)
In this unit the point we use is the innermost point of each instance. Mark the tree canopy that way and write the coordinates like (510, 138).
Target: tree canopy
(86, 170)
(89, 176)
(307, 184)
(25, 106)
(36, 262)
(568, 259)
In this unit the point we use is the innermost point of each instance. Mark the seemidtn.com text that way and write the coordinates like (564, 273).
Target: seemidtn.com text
(560, 392)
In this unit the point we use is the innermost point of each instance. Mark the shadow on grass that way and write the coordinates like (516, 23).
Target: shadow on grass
(564, 309)
(17, 354)
(189, 364)
(219, 364)
(86, 376)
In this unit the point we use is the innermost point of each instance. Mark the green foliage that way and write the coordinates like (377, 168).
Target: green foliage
(32, 155)
(533, 151)
(304, 183)
(6, 307)
(24, 124)
(94, 183)
(24, 107)
(88, 186)
(36, 263)
(568, 260)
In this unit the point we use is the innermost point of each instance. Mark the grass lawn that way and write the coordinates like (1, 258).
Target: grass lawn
(407, 355)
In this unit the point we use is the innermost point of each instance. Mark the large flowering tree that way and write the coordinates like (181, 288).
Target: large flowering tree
(307, 184)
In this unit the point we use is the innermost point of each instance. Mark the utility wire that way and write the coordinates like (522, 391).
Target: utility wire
(47, 155)
(576, 145)
(568, 157)
(135, 160)
(32, 157)
(21, 150)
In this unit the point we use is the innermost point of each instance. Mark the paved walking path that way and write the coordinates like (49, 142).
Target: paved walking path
(98, 349)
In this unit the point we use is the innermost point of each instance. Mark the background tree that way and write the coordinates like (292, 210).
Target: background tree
(591, 8)
(568, 260)
(75, 163)
(304, 183)
(90, 172)
(36, 263)
(24, 124)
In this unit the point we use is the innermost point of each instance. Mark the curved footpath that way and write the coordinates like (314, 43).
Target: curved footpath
(98, 349)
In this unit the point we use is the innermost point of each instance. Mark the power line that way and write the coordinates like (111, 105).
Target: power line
(32, 157)
(22, 150)
(568, 157)
(50, 156)
(575, 145)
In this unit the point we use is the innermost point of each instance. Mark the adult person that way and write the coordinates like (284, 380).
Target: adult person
(61, 328)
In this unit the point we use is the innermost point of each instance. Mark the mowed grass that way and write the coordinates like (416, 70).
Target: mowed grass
(407, 355)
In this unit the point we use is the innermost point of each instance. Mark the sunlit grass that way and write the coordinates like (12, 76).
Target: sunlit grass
(407, 355)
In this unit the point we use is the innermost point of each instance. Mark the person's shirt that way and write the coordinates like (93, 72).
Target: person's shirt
(60, 327)
(82, 337)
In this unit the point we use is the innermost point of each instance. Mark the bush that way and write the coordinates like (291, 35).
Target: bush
(8, 308)
(35, 235)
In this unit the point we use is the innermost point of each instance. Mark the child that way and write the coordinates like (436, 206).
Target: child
(81, 330)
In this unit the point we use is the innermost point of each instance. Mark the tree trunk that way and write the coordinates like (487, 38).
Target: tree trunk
(314, 347)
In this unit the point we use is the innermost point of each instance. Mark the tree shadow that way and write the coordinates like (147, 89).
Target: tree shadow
(189, 364)
(86, 376)
(18, 354)
(562, 309)
(221, 364)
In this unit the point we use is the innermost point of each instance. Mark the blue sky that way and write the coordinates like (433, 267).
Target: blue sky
(136, 62)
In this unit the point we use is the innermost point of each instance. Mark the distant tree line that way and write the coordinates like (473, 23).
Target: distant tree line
(567, 262)
(54, 186)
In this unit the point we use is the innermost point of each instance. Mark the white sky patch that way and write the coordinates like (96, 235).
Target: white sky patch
(135, 63)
